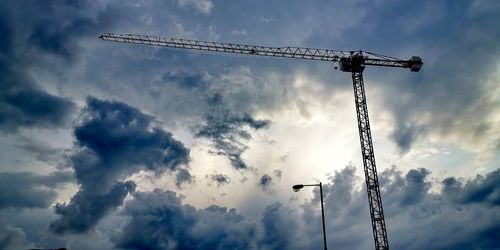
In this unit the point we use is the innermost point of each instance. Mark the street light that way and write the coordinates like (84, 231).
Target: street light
(298, 187)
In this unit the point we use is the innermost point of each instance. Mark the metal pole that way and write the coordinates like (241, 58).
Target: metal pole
(371, 177)
(322, 214)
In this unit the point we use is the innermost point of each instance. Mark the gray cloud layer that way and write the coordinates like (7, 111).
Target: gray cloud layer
(28, 190)
(159, 220)
(11, 237)
(451, 96)
(24, 104)
(114, 141)
(87, 207)
(416, 217)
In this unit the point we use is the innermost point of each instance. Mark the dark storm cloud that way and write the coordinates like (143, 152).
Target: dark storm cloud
(114, 141)
(219, 179)
(226, 131)
(88, 207)
(28, 190)
(159, 220)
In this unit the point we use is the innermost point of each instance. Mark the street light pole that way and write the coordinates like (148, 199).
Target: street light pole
(297, 188)
(322, 214)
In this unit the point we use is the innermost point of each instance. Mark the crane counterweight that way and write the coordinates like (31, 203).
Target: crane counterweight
(415, 63)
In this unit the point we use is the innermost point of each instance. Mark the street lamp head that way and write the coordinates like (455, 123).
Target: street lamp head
(296, 188)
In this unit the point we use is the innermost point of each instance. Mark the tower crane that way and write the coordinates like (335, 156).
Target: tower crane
(348, 61)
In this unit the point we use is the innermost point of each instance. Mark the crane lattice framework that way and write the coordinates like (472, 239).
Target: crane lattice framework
(349, 61)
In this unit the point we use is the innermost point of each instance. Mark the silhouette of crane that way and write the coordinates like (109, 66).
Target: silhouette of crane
(348, 61)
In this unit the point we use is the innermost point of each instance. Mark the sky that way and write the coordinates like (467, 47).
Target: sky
(118, 146)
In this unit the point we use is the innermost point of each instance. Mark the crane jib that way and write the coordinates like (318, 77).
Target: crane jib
(414, 63)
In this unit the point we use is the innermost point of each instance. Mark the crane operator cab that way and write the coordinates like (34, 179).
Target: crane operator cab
(353, 63)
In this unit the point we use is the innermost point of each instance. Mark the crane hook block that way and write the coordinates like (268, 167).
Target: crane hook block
(415, 63)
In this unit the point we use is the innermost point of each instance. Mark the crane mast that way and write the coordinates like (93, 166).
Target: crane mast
(349, 61)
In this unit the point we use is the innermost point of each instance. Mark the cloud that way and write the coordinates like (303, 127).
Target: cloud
(412, 211)
(265, 182)
(436, 210)
(219, 179)
(405, 135)
(279, 231)
(482, 189)
(159, 220)
(44, 152)
(183, 177)
(11, 237)
(24, 104)
(29, 190)
(87, 208)
(277, 173)
(203, 6)
(114, 141)
(226, 130)
(411, 188)
(187, 80)
(49, 35)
